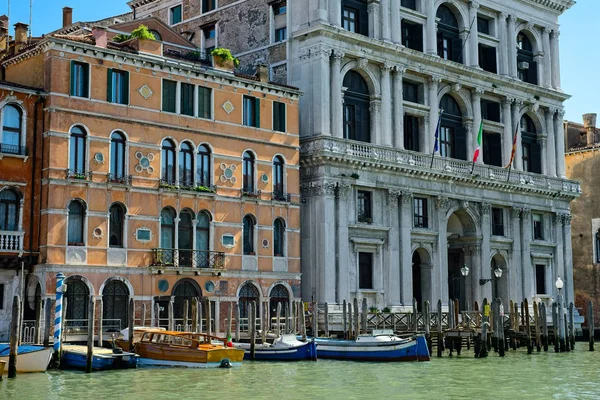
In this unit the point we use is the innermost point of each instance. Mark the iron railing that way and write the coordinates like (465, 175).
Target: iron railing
(245, 192)
(13, 149)
(281, 196)
(77, 174)
(186, 186)
(118, 179)
(188, 258)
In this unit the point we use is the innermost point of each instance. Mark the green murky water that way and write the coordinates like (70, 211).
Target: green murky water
(573, 375)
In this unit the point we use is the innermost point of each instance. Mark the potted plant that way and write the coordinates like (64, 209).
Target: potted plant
(223, 59)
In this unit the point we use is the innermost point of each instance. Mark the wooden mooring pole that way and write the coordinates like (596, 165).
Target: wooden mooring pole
(252, 327)
(364, 316)
(502, 344)
(356, 320)
(345, 320)
(90, 337)
(237, 321)
(572, 325)
(186, 305)
(278, 316)
(47, 322)
(14, 337)
(143, 314)
(484, 325)
(538, 326)
(100, 327)
(555, 327)
(544, 326)
(195, 315)
(528, 326)
(590, 321)
(209, 327)
(326, 324)
(39, 309)
(440, 332)
(131, 323)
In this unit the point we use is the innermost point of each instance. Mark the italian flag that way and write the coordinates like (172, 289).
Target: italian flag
(479, 137)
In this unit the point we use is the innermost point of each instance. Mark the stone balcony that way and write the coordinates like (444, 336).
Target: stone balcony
(11, 242)
(335, 150)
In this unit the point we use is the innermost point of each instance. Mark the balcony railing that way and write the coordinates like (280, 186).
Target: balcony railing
(13, 149)
(11, 241)
(420, 163)
(281, 196)
(244, 192)
(76, 174)
(118, 179)
(186, 186)
(182, 258)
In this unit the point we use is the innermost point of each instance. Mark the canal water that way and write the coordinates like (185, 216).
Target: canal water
(518, 376)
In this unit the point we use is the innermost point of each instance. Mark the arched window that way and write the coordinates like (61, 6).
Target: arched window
(248, 172)
(185, 230)
(526, 66)
(452, 135)
(9, 210)
(278, 178)
(117, 225)
(76, 224)
(156, 35)
(77, 151)
(449, 44)
(11, 130)
(117, 156)
(279, 294)
(203, 167)
(279, 238)
(115, 305)
(248, 294)
(78, 297)
(248, 233)
(531, 149)
(186, 165)
(203, 239)
(357, 117)
(185, 289)
(168, 162)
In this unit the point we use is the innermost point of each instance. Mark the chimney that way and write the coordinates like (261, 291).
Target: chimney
(4, 22)
(589, 123)
(100, 35)
(20, 36)
(4, 40)
(262, 72)
(67, 16)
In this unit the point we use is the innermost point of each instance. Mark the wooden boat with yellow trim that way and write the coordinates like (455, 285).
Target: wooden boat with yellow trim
(185, 349)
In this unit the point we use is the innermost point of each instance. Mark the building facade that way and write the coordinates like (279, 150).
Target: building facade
(582, 141)
(381, 218)
(163, 178)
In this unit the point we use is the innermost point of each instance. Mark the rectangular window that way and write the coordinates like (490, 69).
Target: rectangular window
(280, 9)
(492, 149)
(446, 141)
(412, 4)
(187, 99)
(540, 279)
(169, 96)
(412, 35)
(210, 38)
(483, 25)
(364, 207)
(175, 14)
(497, 221)
(278, 116)
(487, 58)
(538, 227)
(118, 86)
(411, 133)
(252, 111)
(208, 5)
(80, 79)
(490, 110)
(204, 102)
(280, 34)
(365, 270)
(350, 19)
(420, 212)
(279, 28)
(411, 91)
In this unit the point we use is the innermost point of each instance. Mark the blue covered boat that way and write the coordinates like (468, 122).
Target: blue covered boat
(380, 346)
(284, 348)
(75, 357)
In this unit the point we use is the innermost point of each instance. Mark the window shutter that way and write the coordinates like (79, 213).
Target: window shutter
(460, 143)
(282, 117)
(125, 87)
(536, 158)
(109, 87)
(257, 112)
(72, 78)
(275, 116)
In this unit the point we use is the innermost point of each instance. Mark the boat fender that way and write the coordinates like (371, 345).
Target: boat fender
(225, 364)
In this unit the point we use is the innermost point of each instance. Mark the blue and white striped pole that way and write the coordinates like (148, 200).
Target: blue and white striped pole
(60, 279)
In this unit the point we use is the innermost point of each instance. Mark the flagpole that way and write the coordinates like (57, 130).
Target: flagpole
(509, 169)
(435, 143)
(473, 168)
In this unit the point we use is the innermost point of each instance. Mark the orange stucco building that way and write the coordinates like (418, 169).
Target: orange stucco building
(163, 178)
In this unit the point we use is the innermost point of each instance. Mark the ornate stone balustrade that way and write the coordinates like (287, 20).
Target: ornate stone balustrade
(11, 242)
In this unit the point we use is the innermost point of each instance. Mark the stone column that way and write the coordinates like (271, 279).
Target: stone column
(440, 272)
(375, 110)
(568, 260)
(425, 141)
(540, 62)
(559, 136)
(527, 270)
(406, 224)
(337, 129)
(503, 47)
(342, 244)
(385, 20)
(386, 105)
(374, 19)
(398, 98)
(486, 270)
(393, 277)
(431, 28)
(335, 12)
(321, 96)
(474, 36)
(551, 151)
(518, 163)
(470, 139)
(559, 261)
(434, 110)
(324, 208)
(511, 40)
(507, 135)
(516, 289)
(547, 58)
(396, 22)
(542, 140)
(477, 118)
(555, 57)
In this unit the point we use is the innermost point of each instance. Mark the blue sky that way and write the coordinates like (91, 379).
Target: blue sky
(579, 50)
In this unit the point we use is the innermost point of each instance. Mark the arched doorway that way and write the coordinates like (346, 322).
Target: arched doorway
(115, 306)
(462, 235)
(248, 294)
(421, 275)
(499, 285)
(357, 117)
(78, 296)
(185, 289)
(279, 294)
(452, 134)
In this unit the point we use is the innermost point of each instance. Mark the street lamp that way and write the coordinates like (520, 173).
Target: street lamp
(464, 271)
(497, 274)
(559, 284)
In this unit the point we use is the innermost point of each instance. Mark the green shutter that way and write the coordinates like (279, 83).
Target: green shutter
(125, 87)
(282, 117)
(109, 88)
(72, 78)
(257, 112)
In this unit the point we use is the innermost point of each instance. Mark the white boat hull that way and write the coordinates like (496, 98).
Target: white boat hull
(35, 361)
(149, 362)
